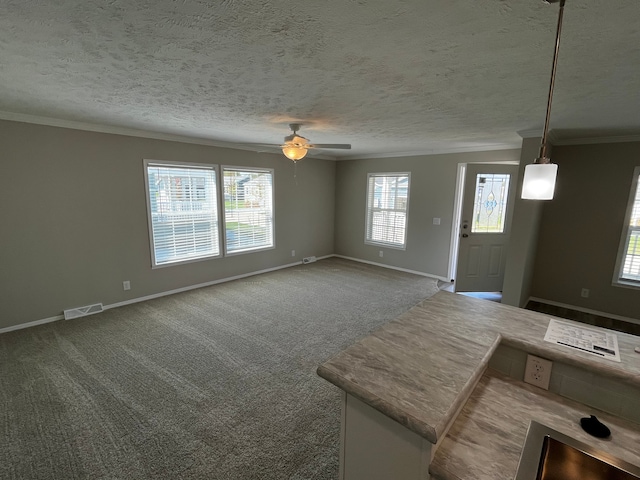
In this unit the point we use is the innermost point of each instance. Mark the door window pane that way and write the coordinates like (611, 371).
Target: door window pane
(490, 205)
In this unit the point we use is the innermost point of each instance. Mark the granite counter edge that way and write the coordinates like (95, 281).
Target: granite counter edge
(432, 433)
(387, 408)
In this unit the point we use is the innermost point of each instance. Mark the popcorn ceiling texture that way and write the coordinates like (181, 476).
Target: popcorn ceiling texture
(386, 76)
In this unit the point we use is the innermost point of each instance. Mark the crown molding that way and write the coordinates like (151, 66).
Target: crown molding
(537, 133)
(533, 133)
(134, 132)
(111, 129)
(555, 139)
(593, 140)
(435, 151)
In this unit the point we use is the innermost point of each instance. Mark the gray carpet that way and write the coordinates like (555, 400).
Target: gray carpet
(215, 383)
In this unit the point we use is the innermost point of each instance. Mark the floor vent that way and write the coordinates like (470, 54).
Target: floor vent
(83, 311)
(309, 259)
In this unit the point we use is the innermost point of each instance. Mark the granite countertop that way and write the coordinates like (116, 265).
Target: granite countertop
(422, 367)
(487, 437)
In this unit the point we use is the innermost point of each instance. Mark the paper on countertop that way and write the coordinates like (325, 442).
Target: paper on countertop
(599, 342)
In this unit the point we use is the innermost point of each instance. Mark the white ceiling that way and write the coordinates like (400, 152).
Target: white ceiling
(389, 77)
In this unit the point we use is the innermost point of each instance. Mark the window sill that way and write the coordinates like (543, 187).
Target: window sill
(626, 284)
(386, 245)
(248, 250)
(185, 261)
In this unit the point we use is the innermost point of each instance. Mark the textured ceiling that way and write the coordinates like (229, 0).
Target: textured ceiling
(389, 77)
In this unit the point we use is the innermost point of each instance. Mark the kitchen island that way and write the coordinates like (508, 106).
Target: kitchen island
(406, 384)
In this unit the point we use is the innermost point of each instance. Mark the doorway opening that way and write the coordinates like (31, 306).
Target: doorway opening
(483, 209)
(491, 296)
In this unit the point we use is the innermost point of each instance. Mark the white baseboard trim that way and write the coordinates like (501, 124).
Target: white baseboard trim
(155, 295)
(585, 310)
(199, 285)
(415, 272)
(214, 282)
(35, 323)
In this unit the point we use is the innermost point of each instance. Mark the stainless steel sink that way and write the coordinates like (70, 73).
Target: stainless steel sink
(551, 455)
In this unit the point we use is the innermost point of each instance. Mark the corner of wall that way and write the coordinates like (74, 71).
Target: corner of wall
(524, 237)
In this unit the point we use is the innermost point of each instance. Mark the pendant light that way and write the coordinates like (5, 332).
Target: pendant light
(540, 177)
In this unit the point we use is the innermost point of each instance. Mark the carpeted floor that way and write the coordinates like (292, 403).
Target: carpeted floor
(215, 383)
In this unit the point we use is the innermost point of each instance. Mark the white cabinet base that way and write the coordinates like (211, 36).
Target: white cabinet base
(375, 447)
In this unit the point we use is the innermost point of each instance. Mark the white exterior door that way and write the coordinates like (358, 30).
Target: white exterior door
(489, 192)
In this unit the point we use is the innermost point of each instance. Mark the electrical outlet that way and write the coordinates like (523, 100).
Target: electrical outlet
(538, 371)
(126, 285)
(293, 253)
(381, 253)
(584, 293)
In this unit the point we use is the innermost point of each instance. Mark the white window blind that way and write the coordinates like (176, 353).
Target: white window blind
(387, 206)
(248, 209)
(183, 212)
(628, 269)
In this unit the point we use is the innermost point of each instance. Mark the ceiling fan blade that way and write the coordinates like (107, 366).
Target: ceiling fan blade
(342, 146)
(272, 145)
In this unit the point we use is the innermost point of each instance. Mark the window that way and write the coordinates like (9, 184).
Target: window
(183, 212)
(628, 263)
(387, 205)
(248, 209)
(490, 204)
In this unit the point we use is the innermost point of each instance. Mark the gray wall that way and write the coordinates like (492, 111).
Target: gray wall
(580, 229)
(74, 224)
(523, 244)
(74, 221)
(432, 194)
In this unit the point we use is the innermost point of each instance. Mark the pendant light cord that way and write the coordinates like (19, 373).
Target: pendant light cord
(543, 148)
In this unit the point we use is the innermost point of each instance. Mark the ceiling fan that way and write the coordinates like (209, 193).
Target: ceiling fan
(295, 147)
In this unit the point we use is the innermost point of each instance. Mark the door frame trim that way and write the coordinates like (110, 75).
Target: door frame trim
(454, 244)
(455, 224)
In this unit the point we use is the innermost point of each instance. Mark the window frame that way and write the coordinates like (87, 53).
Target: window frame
(223, 223)
(369, 210)
(203, 166)
(634, 195)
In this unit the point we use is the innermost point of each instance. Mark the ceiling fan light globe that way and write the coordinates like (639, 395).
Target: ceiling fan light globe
(294, 152)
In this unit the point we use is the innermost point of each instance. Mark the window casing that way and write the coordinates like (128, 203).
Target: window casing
(387, 209)
(627, 271)
(248, 209)
(182, 204)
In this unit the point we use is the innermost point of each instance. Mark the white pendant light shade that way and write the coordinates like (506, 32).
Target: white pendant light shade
(539, 181)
